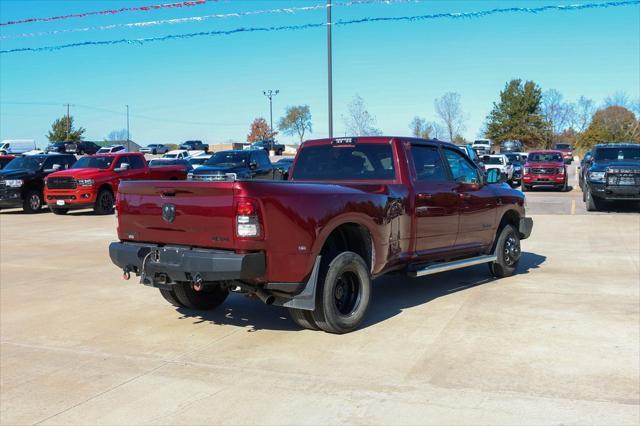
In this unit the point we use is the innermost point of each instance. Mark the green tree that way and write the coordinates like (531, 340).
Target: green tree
(297, 120)
(59, 130)
(260, 131)
(611, 124)
(518, 116)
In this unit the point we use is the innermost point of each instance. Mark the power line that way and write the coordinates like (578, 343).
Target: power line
(414, 18)
(110, 12)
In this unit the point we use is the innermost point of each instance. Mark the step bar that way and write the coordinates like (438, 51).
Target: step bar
(449, 266)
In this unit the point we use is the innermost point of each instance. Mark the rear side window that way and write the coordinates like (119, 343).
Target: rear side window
(330, 162)
(428, 164)
(136, 162)
(261, 159)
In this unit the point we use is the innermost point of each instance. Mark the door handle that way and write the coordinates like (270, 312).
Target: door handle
(464, 195)
(424, 197)
(168, 193)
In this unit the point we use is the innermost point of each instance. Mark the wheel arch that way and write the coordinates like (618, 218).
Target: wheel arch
(349, 234)
(509, 217)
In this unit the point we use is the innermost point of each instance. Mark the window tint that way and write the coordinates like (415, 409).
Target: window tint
(330, 162)
(136, 162)
(541, 157)
(461, 169)
(428, 164)
(262, 159)
(121, 160)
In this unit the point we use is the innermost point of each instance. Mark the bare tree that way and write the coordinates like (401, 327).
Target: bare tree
(585, 108)
(420, 128)
(618, 99)
(117, 135)
(558, 113)
(297, 120)
(437, 131)
(358, 121)
(449, 109)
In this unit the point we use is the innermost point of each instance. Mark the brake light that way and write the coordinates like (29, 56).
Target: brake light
(247, 220)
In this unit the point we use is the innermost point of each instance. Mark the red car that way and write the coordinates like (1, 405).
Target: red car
(567, 152)
(352, 209)
(545, 168)
(93, 181)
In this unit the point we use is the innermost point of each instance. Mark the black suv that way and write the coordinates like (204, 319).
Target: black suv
(194, 146)
(82, 147)
(22, 180)
(60, 147)
(613, 175)
(237, 164)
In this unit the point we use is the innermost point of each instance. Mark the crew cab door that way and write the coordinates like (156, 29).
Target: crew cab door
(477, 202)
(136, 170)
(260, 165)
(435, 200)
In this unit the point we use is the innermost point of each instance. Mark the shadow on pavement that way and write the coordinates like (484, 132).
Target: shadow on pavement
(391, 294)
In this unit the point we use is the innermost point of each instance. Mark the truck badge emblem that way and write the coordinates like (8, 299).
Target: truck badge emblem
(169, 213)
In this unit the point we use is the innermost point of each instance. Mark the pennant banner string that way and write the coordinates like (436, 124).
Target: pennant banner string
(111, 12)
(458, 15)
(287, 10)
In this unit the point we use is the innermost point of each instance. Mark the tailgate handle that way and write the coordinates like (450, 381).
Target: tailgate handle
(168, 193)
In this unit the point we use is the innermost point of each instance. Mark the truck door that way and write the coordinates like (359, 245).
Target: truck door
(477, 202)
(435, 200)
(263, 168)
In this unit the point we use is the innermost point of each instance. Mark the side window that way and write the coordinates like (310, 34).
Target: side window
(68, 162)
(135, 162)
(461, 169)
(263, 160)
(120, 161)
(428, 164)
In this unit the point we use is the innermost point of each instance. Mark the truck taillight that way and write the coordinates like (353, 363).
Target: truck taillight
(247, 220)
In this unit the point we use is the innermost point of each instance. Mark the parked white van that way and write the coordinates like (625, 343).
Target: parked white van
(17, 146)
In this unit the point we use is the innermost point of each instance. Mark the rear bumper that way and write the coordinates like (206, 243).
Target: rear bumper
(160, 265)
(525, 227)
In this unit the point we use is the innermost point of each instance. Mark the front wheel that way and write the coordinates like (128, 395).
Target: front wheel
(104, 202)
(507, 252)
(343, 295)
(32, 202)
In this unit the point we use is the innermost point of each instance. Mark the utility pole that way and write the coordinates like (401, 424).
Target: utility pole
(330, 69)
(270, 94)
(128, 143)
(68, 122)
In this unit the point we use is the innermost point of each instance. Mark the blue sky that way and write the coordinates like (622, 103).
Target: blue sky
(210, 88)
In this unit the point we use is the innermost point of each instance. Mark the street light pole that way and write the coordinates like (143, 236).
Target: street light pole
(128, 143)
(270, 94)
(330, 69)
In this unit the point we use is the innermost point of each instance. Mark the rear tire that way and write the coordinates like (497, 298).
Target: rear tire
(204, 300)
(170, 296)
(59, 211)
(525, 188)
(303, 319)
(104, 202)
(344, 291)
(32, 202)
(508, 252)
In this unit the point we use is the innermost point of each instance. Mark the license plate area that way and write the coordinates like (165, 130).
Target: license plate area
(60, 202)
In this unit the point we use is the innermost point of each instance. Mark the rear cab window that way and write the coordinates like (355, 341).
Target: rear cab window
(349, 160)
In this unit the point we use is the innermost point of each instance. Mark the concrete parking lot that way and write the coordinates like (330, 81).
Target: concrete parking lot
(558, 343)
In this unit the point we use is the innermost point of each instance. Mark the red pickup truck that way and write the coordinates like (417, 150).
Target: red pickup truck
(545, 168)
(93, 181)
(352, 210)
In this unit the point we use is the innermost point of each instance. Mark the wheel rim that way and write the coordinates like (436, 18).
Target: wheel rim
(347, 293)
(34, 201)
(511, 250)
(105, 202)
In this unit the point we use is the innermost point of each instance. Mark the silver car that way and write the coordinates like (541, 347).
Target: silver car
(155, 148)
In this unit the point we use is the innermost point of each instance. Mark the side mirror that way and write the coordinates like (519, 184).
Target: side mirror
(123, 167)
(253, 165)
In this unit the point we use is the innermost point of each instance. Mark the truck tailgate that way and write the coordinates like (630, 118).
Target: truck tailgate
(177, 212)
